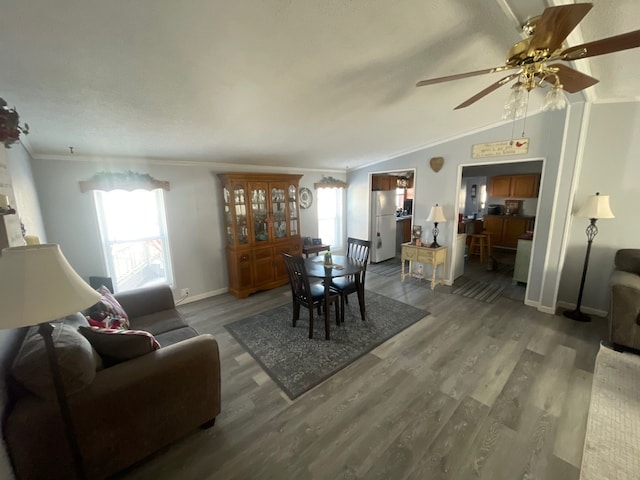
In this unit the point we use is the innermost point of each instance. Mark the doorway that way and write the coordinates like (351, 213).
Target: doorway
(391, 212)
(497, 209)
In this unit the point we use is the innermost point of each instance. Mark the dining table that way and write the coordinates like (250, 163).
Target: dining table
(341, 266)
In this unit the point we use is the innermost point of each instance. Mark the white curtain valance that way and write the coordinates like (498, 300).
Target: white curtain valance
(329, 182)
(130, 181)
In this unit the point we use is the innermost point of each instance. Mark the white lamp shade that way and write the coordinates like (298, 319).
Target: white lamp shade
(436, 215)
(596, 206)
(37, 285)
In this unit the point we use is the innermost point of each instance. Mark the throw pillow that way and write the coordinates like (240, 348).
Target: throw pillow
(107, 313)
(119, 345)
(76, 358)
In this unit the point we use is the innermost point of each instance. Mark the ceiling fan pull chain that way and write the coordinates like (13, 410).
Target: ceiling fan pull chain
(513, 129)
(526, 110)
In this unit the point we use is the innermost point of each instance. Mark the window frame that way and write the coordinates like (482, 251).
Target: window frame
(99, 197)
(338, 218)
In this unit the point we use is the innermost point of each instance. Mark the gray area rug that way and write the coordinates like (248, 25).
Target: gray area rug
(483, 291)
(296, 362)
(612, 443)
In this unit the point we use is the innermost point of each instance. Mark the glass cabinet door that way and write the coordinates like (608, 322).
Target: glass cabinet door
(293, 210)
(228, 219)
(259, 212)
(279, 210)
(240, 208)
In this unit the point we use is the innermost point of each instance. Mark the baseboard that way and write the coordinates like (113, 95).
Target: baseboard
(587, 310)
(201, 296)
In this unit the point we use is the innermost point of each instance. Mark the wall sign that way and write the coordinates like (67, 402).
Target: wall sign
(499, 149)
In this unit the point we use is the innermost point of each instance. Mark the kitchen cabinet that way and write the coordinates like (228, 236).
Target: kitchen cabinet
(261, 220)
(505, 229)
(514, 186)
(403, 232)
(383, 182)
(499, 186)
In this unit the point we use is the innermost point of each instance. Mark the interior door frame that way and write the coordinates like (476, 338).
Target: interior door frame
(541, 192)
(370, 189)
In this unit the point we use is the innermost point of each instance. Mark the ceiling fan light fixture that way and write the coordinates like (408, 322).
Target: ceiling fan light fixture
(554, 100)
(516, 104)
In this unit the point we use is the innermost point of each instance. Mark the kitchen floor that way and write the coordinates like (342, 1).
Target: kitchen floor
(501, 272)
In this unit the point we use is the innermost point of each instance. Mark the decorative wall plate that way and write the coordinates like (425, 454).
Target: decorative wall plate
(306, 198)
(436, 163)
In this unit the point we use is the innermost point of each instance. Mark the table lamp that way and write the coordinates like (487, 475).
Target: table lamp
(37, 285)
(436, 216)
(597, 206)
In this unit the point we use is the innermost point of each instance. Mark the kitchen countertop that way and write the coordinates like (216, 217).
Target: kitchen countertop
(512, 216)
(404, 217)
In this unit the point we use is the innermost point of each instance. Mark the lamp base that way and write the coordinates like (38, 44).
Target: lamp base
(434, 245)
(577, 315)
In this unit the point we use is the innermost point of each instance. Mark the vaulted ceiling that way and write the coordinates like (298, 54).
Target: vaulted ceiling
(310, 83)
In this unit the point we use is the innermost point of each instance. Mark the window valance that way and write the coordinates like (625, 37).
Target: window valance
(329, 182)
(129, 181)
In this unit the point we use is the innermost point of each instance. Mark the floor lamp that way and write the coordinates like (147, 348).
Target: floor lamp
(596, 207)
(37, 285)
(436, 216)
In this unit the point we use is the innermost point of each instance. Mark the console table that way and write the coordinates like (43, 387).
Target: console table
(307, 249)
(426, 255)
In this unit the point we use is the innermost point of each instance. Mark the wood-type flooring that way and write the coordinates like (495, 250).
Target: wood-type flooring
(472, 391)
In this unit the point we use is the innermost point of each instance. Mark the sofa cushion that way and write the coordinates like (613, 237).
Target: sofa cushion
(77, 360)
(107, 313)
(175, 336)
(159, 322)
(116, 345)
(628, 260)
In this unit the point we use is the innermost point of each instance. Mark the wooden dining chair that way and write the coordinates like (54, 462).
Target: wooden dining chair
(358, 250)
(310, 296)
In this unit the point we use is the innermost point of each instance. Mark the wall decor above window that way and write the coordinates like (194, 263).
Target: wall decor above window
(10, 128)
(129, 181)
(329, 182)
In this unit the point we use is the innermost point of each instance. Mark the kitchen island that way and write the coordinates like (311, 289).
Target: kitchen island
(505, 230)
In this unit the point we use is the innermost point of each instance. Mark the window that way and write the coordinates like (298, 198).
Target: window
(134, 237)
(330, 216)
(400, 192)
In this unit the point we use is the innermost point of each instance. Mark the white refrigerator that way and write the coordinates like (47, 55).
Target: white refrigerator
(383, 225)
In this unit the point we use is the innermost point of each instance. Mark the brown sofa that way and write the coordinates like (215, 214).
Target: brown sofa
(128, 410)
(624, 308)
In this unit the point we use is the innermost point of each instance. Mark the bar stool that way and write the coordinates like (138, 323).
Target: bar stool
(480, 246)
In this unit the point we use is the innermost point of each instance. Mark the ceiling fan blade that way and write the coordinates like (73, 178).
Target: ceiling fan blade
(624, 41)
(555, 24)
(488, 90)
(462, 75)
(572, 80)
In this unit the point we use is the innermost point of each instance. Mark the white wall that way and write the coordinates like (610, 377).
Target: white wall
(610, 166)
(546, 133)
(16, 180)
(27, 200)
(585, 149)
(193, 210)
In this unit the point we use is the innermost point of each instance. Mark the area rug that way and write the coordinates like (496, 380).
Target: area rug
(612, 443)
(478, 290)
(296, 362)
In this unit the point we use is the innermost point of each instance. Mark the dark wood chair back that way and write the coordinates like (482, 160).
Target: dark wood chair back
(359, 249)
(305, 294)
(298, 279)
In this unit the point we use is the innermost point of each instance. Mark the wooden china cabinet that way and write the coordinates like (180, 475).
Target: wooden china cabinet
(262, 220)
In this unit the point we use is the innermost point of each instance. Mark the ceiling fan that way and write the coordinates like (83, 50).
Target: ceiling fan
(531, 56)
